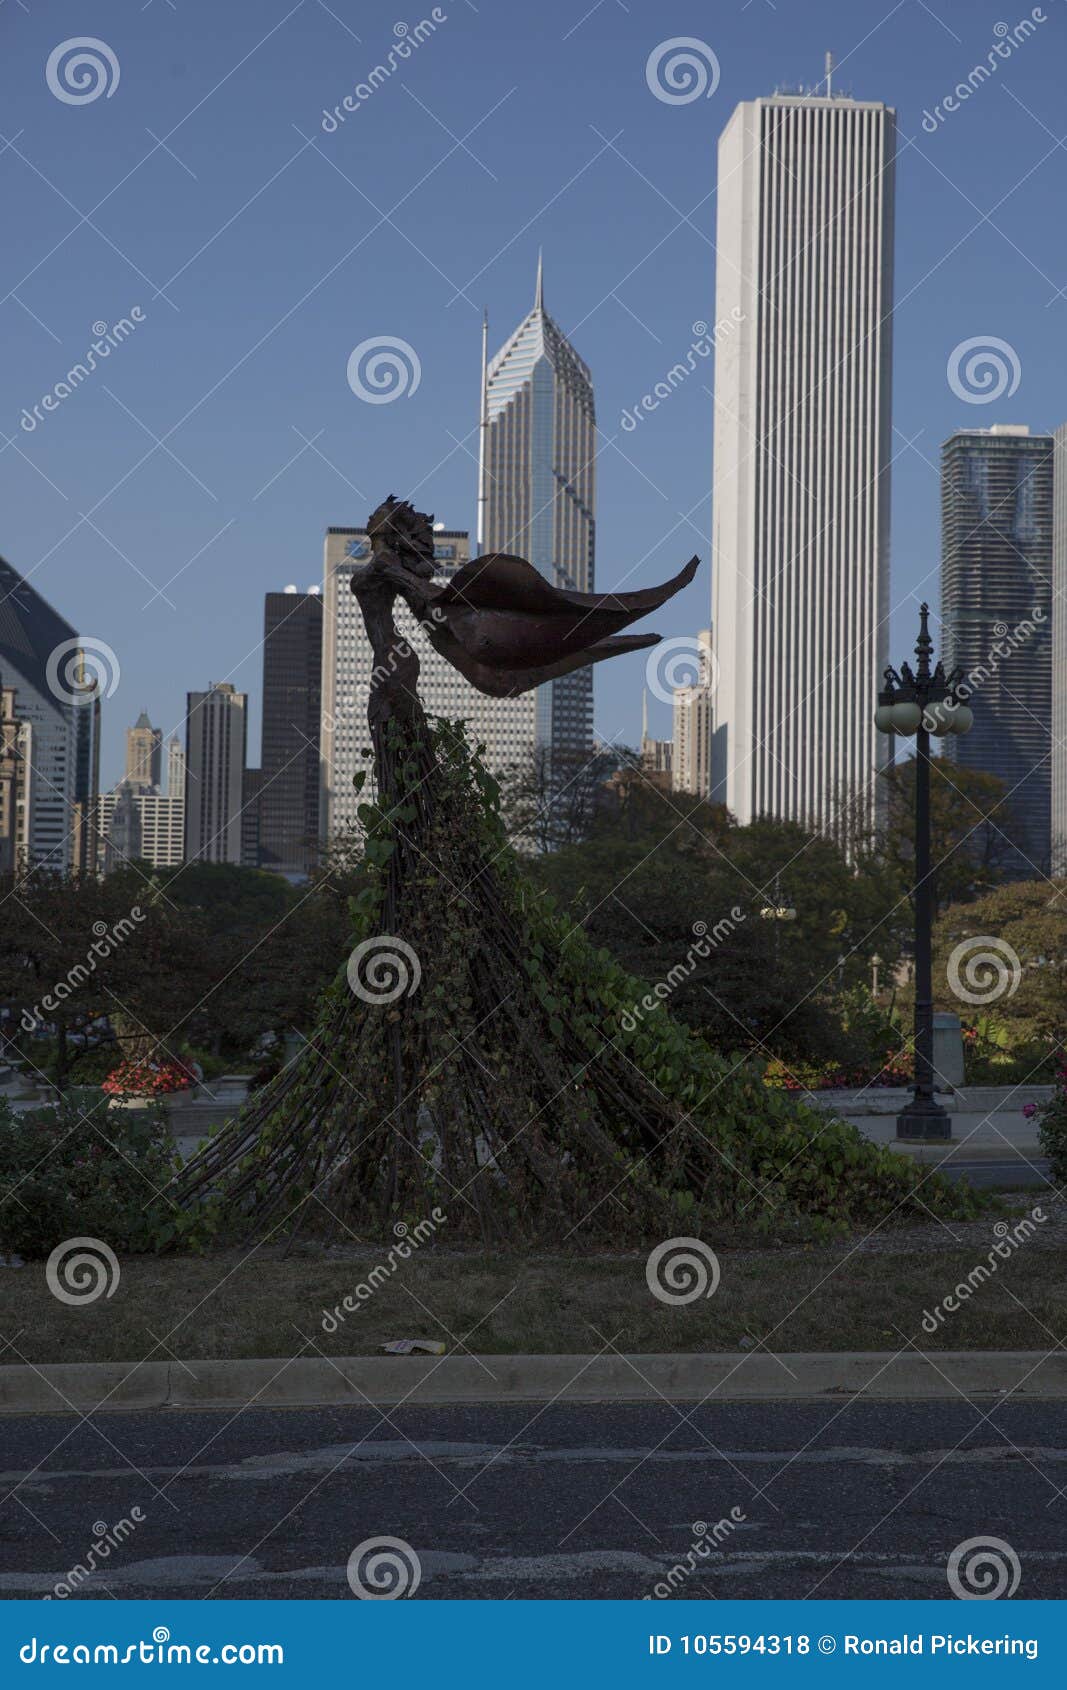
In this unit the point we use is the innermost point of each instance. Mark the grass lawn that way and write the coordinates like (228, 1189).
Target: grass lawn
(241, 1304)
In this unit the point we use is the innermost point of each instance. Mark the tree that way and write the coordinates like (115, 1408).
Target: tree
(1002, 959)
(970, 828)
(766, 982)
(94, 962)
(553, 798)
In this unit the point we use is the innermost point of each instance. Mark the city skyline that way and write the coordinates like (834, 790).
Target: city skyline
(629, 277)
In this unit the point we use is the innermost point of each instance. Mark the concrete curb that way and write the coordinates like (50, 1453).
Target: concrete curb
(307, 1382)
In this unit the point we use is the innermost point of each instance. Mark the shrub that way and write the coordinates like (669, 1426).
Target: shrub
(1052, 1123)
(82, 1169)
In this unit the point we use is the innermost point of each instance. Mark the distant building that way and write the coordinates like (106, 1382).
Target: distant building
(144, 755)
(216, 736)
(996, 611)
(251, 817)
(292, 721)
(124, 828)
(537, 496)
(40, 660)
(802, 452)
(656, 754)
(161, 816)
(13, 783)
(694, 722)
(501, 724)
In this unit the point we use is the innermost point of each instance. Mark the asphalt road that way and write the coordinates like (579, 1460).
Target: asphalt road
(832, 1499)
(1011, 1174)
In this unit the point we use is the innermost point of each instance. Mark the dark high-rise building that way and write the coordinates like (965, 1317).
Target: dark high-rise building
(216, 735)
(57, 703)
(996, 607)
(292, 708)
(251, 790)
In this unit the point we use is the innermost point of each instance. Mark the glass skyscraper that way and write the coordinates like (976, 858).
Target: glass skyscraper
(537, 495)
(996, 607)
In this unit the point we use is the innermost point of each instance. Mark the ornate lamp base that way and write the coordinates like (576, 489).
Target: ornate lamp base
(924, 1118)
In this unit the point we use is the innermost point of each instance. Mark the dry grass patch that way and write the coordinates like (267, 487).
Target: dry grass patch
(237, 1305)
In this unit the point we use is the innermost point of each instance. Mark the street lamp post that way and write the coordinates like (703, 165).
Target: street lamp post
(923, 701)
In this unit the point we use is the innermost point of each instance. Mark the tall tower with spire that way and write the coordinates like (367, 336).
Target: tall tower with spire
(144, 755)
(537, 492)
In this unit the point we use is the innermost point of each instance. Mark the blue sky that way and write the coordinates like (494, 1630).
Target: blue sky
(198, 466)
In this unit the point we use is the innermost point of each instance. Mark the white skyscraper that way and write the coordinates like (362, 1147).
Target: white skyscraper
(802, 451)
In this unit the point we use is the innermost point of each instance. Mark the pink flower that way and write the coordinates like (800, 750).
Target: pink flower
(1029, 1110)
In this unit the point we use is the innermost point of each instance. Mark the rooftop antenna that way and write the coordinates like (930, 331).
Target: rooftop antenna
(829, 75)
(539, 292)
(483, 428)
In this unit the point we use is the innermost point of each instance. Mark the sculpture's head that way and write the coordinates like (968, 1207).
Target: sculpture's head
(399, 528)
